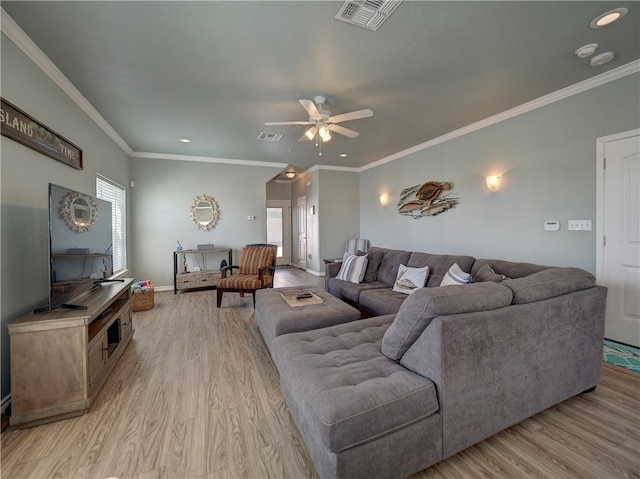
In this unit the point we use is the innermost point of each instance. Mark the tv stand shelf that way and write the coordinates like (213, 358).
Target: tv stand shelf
(60, 359)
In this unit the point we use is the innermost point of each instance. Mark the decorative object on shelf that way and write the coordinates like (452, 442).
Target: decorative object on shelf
(78, 211)
(426, 199)
(204, 212)
(223, 264)
(179, 248)
(23, 128)
(206, 246)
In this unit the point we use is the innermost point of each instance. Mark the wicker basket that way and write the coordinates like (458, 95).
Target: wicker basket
(142, 300)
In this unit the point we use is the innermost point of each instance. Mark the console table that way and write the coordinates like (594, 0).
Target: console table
(205, 278)
(60, 359)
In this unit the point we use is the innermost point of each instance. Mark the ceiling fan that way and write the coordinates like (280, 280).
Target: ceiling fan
(323, 122)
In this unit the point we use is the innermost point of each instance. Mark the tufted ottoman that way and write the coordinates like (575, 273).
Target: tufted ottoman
(360, 413)
(275, 317)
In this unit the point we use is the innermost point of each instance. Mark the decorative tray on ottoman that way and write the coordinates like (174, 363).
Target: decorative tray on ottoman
(301, 298)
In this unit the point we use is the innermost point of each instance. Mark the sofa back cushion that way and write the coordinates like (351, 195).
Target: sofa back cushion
(510, 269)
(389, 264)
(439, 264)
(375, 257)
(423, 305)
(548, 284)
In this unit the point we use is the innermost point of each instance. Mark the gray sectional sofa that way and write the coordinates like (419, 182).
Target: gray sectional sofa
(390, 395)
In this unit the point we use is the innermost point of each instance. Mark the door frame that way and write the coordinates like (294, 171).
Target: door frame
(287, 239)
(600, 213)
(301, 216)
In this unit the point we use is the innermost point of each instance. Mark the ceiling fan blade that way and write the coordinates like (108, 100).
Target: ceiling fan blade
(343, 131)
(278, 123)
(354, 115)
(311, 108)
(309, 134)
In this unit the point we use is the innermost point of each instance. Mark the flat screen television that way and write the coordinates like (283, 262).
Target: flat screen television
(80, 242)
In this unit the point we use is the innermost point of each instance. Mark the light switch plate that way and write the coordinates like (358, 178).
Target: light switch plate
(579, 225)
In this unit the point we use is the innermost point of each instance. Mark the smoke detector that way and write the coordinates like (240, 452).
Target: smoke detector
(602, 58)
(586, 51)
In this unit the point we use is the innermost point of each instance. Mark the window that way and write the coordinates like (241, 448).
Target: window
(114, 193)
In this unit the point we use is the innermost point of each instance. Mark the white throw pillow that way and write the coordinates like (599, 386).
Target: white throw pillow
(455, 275)
(353, 268)
(410, 279)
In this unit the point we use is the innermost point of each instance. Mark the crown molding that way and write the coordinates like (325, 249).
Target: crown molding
(22, 41)
(205, 159)
(611, 75)
(11, 29)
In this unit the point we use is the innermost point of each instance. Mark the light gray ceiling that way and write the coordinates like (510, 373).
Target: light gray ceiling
(216, 71)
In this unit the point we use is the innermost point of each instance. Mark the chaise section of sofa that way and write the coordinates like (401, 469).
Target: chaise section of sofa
(360, 413)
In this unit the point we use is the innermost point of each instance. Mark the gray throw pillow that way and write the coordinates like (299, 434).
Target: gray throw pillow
(486, 273)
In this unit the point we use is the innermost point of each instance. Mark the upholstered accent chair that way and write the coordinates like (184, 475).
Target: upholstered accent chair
(255, 271)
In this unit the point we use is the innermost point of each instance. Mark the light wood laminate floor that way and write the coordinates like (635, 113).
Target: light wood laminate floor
(196, 396)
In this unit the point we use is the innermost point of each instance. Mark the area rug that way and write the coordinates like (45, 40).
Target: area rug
(621, 355)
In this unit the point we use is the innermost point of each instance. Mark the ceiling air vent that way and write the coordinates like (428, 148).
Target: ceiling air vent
(369, 14)
(269, 136)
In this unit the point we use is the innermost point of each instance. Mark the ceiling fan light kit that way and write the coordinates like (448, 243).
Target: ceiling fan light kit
(324, 122)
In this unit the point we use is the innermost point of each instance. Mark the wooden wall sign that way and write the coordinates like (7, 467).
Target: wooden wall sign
(20, 127)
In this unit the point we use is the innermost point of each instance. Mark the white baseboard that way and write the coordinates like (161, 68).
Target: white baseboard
(315, 273)
(6, 402)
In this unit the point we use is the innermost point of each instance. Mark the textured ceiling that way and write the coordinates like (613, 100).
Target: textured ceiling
(215, 71)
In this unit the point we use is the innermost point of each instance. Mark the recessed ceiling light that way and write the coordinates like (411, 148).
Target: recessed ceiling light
(184, 140)
(608, 18)
(343, 155)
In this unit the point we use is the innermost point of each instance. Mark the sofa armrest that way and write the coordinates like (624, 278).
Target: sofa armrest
(493, 369)
(331, 270)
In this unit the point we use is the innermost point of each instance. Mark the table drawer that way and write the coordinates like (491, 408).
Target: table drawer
(209, 278)
(184, 281)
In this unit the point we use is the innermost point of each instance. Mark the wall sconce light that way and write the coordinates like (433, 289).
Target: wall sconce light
(290, 174)
(493, 182)
(384, 199)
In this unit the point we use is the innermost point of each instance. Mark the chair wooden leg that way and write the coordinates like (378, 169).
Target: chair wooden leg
(219, 297)
(254, 300)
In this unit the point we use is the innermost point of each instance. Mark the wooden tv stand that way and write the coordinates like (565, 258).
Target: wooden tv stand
(60, 359)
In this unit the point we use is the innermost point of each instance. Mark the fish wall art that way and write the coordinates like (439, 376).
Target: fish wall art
(426, 199)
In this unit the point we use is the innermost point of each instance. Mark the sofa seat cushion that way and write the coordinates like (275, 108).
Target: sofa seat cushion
(351, 291)
(382, 301)
(338, 384)
(419, 309)
(548, 284)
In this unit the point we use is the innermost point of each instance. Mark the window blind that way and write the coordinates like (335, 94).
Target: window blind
(114, 193)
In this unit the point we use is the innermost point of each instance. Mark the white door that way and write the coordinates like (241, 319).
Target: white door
(619, 238)
(279, 228)
(302, 232)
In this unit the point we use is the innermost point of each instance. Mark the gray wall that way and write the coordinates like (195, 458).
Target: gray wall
(279, 190)
(338, 212)
(165, 189)
(547, 158)
(25, 175)
(335, 197)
